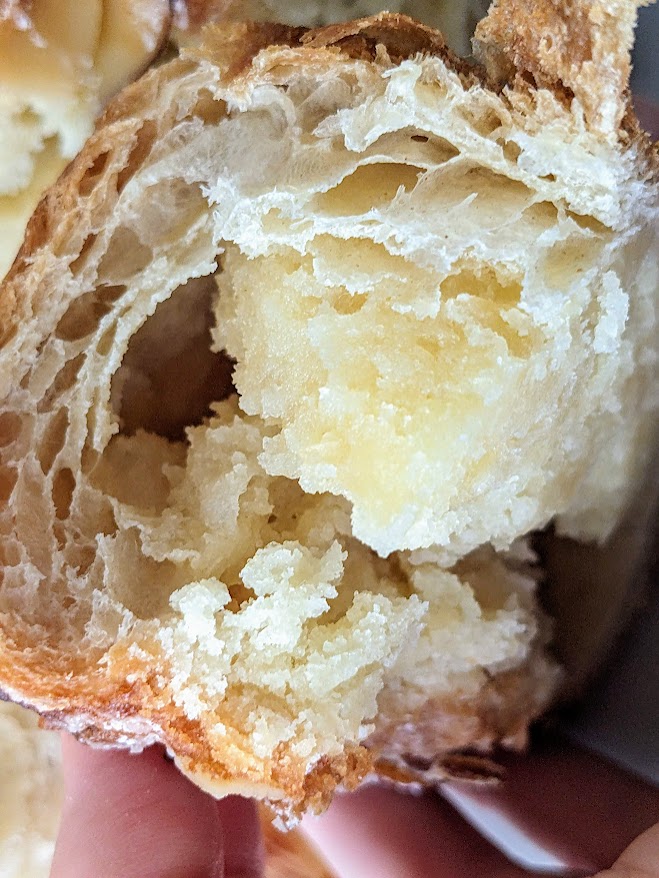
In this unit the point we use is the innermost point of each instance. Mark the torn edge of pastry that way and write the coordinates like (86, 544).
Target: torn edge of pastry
(32, 795)
(582, 49)
(279, 593)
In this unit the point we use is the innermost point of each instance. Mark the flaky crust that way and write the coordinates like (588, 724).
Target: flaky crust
(581, 48)
(83, 697)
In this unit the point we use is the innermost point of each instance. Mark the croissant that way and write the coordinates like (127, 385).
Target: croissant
(314, 332)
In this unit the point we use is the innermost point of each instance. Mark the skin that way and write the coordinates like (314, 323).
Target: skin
(131, 816)
(581, 808)
(137, 817)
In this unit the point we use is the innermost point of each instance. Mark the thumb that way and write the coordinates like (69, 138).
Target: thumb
(640, 860)
(128, 816)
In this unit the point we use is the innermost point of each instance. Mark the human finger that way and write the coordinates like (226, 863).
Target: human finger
(379, 832)
(559, 808)
(574, 807)
(243, 842)
(133, 816)
(640, 860)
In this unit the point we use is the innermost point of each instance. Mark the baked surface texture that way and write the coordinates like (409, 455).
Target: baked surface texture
(437, 294)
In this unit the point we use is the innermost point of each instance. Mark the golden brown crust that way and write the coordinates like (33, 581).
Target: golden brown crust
(401, 36)
(233, 47)
(100, 707)
(449, 737)
(106, 711)
(577, 47)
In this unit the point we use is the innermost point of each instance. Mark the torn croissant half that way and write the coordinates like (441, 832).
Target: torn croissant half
(314, 331)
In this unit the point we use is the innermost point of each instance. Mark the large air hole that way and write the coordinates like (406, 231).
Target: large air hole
(144, 140)
(10, 428)
(62, 382)
(52, 440)
(125, 256)
(85, 312)
(62, 492)
(368, 187)
(208, 108)
(169, 375)
(82, 258)
(8, 479)
(482, 282)
(93, 174)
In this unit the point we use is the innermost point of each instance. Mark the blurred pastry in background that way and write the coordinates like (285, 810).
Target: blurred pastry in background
(31, 793)
(60, 61)
(456, 19)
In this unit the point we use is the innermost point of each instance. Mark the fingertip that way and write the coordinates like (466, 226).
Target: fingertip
(641, 857)
(133, 816)
(573, 805)
(380, 832)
